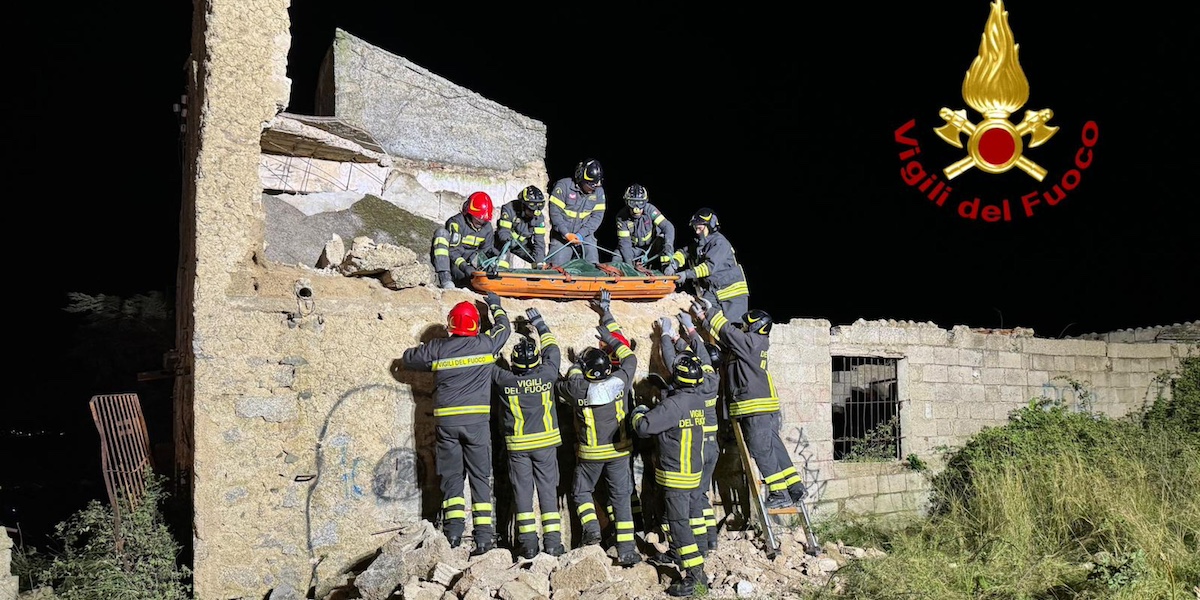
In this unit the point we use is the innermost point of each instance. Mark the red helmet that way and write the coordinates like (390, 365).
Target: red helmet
(479, 205)
(612, 352)
(463, 319)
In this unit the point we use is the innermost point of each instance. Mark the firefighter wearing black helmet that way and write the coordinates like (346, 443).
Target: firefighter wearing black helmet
(675, 341)
(754, 401)
(522, 227)
(601, 405)
(710, 264)
(525, 392)
(644, 235)
(677, 423)
(577, 206)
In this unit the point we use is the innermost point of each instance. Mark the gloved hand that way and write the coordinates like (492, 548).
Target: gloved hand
(573, 239)
(640, 409)
(667, 327)
(541, 266)
(605, 336)
(683, 277)
(669, 269)
(535, 319)
(604, 302)
(493, 299)
(685, 320)
(697, 309)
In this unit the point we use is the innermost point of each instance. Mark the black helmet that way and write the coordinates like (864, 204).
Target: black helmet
(532, 198)
(714, 355)
(706, 216)
(525, 355)
(596, 364)
(757, 321)
(636, 196)
(590, 172)
(687, 371)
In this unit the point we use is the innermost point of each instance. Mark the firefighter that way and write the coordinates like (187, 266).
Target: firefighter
(711, 265)
(601, 406)
(644, 235)
(674, 343)
(526, 394)
(522, 227)
(465, 243)
(678, 423)
(577, 206)
(462, 367)
(753, 401)
(603, 305)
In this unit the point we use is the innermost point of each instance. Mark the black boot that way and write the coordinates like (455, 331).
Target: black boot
(528, 551)
(797, 492)
(555, 549)
(670, 557)
(628, 558)
(455, 540)
(694, 582)
(444, 281)
(482, 547)
(591, 537)
(778, 499)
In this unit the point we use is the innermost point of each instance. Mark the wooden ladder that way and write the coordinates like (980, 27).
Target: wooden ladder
(761, 516)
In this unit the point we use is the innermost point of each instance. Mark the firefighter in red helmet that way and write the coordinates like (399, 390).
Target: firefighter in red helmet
(462, 367)
(465, 242)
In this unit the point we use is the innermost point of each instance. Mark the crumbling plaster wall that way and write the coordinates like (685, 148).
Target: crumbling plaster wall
(308, 443)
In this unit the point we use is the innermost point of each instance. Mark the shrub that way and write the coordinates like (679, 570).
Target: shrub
(90, 565)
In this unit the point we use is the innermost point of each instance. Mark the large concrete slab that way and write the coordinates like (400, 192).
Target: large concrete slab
(416, 114)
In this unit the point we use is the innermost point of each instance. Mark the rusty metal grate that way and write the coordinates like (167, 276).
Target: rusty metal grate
(866, 408)
(124, 447)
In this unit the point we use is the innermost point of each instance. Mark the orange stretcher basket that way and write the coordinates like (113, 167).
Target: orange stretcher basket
(577, 279)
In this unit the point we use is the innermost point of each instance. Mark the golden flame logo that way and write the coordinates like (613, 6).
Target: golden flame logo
(995, 86)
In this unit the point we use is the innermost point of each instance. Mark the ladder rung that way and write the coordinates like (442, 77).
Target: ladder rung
(790, 510)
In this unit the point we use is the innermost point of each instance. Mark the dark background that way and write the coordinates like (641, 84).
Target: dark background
(780, 120)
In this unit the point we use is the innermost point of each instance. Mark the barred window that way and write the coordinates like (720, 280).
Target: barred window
(866, 409)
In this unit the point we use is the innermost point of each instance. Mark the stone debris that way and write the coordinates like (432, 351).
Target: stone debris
(418, 563)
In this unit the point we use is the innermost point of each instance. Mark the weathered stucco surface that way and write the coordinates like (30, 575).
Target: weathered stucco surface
(304, 442)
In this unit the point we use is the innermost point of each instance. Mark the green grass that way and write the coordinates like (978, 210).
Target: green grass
(1056, 504)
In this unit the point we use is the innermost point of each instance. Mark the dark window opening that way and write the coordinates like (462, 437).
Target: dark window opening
(866, 409)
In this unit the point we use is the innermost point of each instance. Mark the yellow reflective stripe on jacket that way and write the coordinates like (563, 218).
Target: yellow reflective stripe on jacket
(547, 407)
(676, 480)
(540, 229)
(583, 214)
(737, 289)
(659, 219)
(532, 441)
(514, 406)
(470, 409)
(605, 452)
(739, 408)
(473, 240)
(589, 425)
(701, 270)
(463, 361)
(685, 450)
(622, 233)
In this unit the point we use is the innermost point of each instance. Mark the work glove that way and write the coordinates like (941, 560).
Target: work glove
(535, 319)
(493, 299)
(640, 409)
(669, 269)
(573, 239)
(604, 302)
(698, 308)
(683, 277)
(685, 320)
(606, 336)
(667, 327)
(541, 266)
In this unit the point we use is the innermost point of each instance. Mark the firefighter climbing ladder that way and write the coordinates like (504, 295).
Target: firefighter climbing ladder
(762, 516)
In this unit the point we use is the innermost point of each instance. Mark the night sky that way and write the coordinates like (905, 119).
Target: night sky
(784, 122)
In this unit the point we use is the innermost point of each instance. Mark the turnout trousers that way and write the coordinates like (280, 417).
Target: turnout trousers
(529, 471)
(681, 506)
(766, 448)
(618, 477)
(708, 540)
(466, 448)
